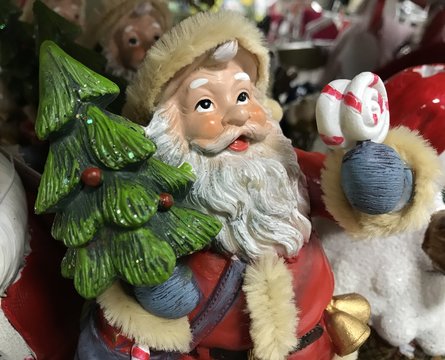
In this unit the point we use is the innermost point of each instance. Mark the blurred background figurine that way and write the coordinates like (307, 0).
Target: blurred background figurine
(124, 30)
(72, 10)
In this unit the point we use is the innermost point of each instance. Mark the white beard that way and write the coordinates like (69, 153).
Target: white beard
(259, 195)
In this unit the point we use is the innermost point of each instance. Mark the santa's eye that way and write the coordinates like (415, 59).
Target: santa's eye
(243, 98)
(204, 105)
(133, 41)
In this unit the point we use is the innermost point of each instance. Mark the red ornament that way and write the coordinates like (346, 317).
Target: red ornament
(92, 176)
(166, 201)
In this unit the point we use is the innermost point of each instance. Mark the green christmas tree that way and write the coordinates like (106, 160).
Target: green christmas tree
(113, 201)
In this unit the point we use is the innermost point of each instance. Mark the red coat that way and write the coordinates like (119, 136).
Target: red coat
(313, 285)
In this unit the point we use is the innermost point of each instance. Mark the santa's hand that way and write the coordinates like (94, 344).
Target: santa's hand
(354, 114)
(350, 111)
(375, 180)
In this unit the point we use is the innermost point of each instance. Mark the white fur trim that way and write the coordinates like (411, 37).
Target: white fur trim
(273, 313)
(124, 312)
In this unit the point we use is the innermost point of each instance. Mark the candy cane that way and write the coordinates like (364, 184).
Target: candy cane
(350, 111)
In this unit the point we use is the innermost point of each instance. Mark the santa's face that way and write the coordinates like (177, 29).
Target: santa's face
(218, 105)
(135, 38)
(132, 37)
(247, 173)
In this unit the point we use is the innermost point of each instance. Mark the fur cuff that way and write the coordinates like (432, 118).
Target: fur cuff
(123, 312)
(273, 313)
(424, 162)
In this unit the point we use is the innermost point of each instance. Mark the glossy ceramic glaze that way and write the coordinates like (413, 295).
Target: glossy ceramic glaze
(417, 100)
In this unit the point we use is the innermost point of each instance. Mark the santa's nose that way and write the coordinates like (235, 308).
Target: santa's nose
(236, 115)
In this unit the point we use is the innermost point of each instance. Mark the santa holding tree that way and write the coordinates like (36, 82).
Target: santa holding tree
(263, 287)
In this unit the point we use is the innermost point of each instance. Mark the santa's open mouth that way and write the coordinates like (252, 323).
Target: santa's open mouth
(240, 144)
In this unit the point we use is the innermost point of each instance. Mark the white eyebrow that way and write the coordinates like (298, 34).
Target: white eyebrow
(242, 76)
(198, 82)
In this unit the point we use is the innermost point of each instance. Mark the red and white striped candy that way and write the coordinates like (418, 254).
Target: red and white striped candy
(139, 352)
(354, 110)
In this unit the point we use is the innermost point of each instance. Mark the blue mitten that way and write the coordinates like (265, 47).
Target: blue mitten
(173, 299)
(375, 180)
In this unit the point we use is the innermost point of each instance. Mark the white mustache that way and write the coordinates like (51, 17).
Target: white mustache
(252, 130)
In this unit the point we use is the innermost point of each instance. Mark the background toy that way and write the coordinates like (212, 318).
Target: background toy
(123, 31)
(400, 279)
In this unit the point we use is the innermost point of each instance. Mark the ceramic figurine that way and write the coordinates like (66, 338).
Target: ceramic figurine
(401, 274)
(72, 10)
(262, 287)
(124, 30)
(203, 93)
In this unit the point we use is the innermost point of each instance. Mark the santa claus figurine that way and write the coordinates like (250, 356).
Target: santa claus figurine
(401, 275)
(264, 286)
(123, 30)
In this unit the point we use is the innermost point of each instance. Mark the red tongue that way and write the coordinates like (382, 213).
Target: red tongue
(240, 144)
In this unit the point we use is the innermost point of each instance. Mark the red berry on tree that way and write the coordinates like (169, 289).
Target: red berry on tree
(92, 176)
(166, 201)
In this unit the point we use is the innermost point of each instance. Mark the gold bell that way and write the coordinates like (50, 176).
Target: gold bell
(346, 322)
(353, 304)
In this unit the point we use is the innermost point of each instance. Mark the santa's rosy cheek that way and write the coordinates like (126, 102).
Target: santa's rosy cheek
(203, 125)
(257, 114)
